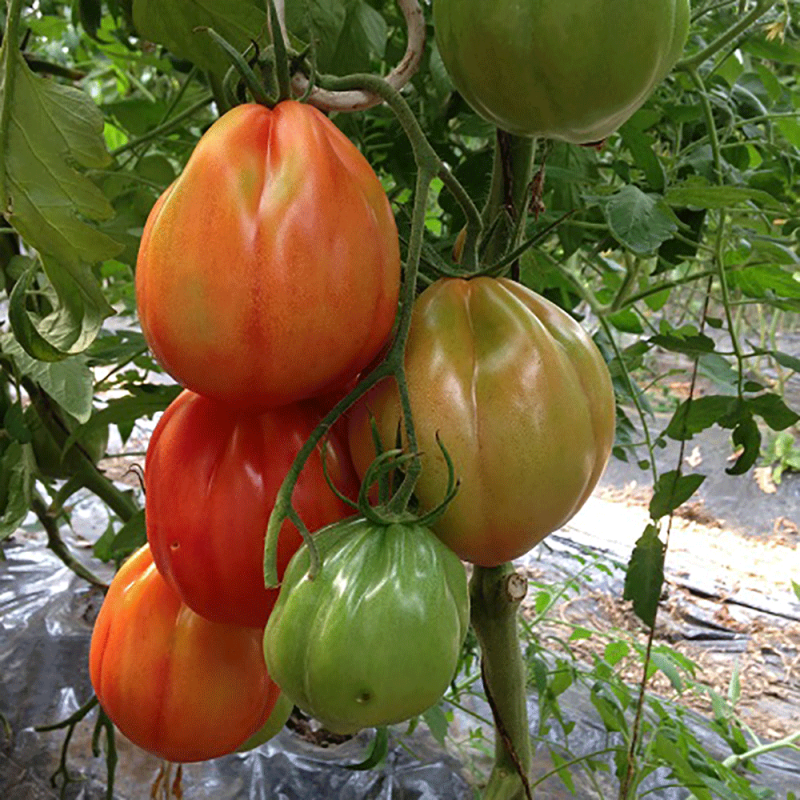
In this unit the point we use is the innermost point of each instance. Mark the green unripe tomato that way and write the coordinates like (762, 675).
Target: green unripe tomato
(374, 638)
(564, 69)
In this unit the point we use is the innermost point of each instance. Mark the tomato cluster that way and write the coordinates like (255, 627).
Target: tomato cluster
(276, 232)
(268, 278)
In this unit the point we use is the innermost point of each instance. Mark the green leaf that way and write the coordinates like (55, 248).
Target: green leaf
(784, 359)
(437, 723)
(640, 145)
(90, 13)
(747, 435)
(364, 34)
(689, 345)
(377, 753)
(697, 414)
(615, 651)
(117, 545)
(765, 282)
(320, 22)
(772, 409)
(639, 221)
(563, 772)
(672, 490)
(699, 193)
(17, 472)
(796, 587)
(173, 23)
(669, 668)
(645, 575)
(680, 766)
(69, 382)
(53, 130)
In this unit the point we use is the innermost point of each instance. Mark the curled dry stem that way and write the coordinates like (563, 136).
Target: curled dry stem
(356, 100)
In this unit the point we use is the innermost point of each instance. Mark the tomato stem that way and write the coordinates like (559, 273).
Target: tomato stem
(495, 596)
(724, 39)
(253, 83)
(282, 76)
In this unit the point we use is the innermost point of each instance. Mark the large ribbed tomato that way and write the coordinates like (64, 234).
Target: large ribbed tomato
(211, 476)
(269, 271)
(375, 637)
(522, 401)
(175, 684)
(565, 69)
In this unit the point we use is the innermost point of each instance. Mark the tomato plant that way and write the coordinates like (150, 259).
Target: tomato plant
(211, 475)
(268, 272)
(374, 638)
(522, 401)
(563, 70)
(175, 684)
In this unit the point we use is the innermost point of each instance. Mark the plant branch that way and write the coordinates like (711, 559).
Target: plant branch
(355, 99)
(693, 62)
(166, 127)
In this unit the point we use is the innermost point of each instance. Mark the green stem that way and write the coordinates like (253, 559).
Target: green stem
(693, 62)
(508, 199)
(425, 156)
(719, 262)
(282, 76)
(739, 758)
(9, 50)
(57, 544)
(165, 128)
(428, 165)
(495, 595)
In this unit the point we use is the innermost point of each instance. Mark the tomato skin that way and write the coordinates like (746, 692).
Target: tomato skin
(269, 271)
(175, 684)
(522, 401)
(375, 637)
(573, 70)
(211, 477)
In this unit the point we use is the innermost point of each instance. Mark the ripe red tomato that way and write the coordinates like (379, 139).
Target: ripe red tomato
(269, 271)
(211, 477)
(521, 399)
(175, 684)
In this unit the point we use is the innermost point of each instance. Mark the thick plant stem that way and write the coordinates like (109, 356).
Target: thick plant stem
(495, 595)
(506, 208)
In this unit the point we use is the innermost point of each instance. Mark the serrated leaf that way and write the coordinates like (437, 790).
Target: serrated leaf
(69, 382)
(52, 131)
(747, 436)
(672, 490)
(645, 575)
(51, 127)
(639, 221)
(697, 414)
(173, 23)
